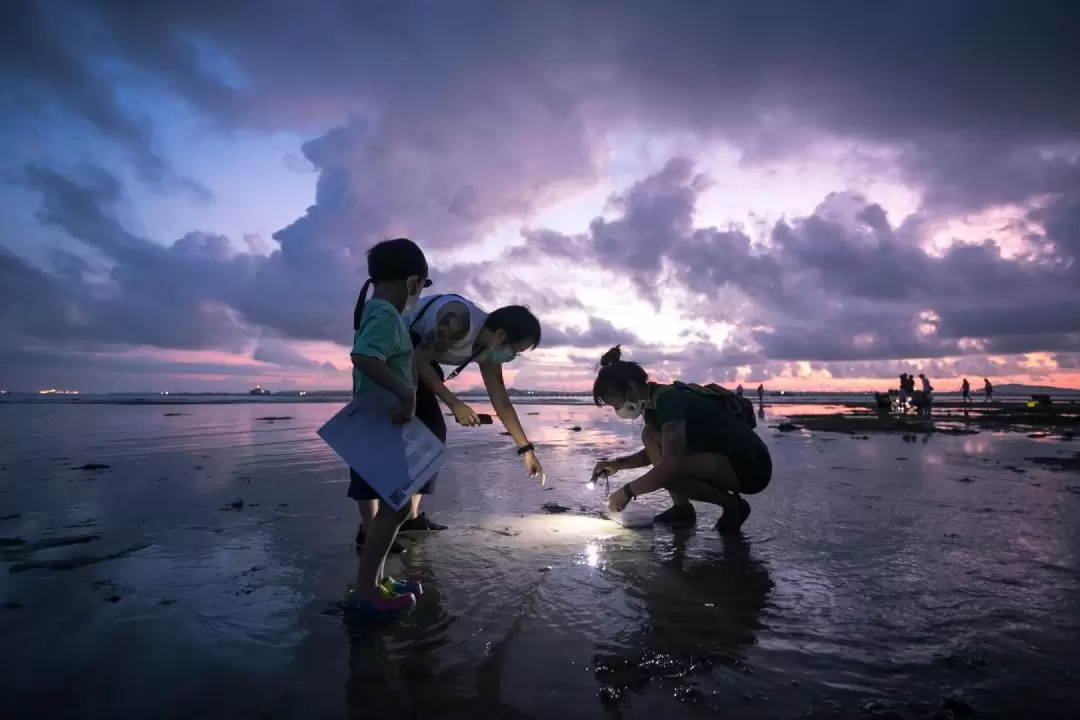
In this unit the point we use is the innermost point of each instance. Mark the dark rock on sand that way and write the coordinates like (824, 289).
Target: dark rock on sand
(1058, 463)
(274, 418)
(576, 428)
(46, 543)
(11, 542)
(787, 427)
(12, 516)
(554, 508)
(93, 467)
(75, 562)
(237, 504)
(175, 414)
(864, 423)
(965, 479)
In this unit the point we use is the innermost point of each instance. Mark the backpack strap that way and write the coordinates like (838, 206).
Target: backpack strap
(412, 325)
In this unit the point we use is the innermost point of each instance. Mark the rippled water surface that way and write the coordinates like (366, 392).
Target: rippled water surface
(200, 574)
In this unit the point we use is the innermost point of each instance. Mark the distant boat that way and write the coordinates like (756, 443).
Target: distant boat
(259, 391)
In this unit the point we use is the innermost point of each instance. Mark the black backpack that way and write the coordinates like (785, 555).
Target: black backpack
(740, 407)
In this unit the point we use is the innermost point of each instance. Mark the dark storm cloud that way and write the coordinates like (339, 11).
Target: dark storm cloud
(279, 353)
(598, 333)
(956, 86)
(450, 116)
(841, 284)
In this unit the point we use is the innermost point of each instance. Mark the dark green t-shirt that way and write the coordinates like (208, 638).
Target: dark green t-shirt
(710, 425)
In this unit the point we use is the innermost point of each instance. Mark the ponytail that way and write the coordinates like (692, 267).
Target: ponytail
(359, 310)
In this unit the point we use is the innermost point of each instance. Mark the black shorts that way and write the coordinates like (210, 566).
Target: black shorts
(429, 412)
(753, 469)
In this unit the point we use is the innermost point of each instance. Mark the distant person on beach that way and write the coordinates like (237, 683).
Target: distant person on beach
(450, 330)
(382, 354)
(965, 391)
(697, 440)
(988, 388)
(738, 390)
(761, 394)
(927, 395)
(903, 394)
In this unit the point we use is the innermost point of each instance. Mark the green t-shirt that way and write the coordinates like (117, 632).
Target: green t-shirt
(384, 336)
(710, 425)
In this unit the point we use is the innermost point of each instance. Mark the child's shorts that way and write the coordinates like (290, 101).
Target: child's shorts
(429, 412)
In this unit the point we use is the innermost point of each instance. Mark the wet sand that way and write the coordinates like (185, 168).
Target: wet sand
(163, 565)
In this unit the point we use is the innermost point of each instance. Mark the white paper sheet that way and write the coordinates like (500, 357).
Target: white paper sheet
(395, 460)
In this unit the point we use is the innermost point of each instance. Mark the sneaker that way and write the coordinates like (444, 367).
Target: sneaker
(681, 514)
(395, 549)
(420, 523)
(732, 520)
(380, 606)
(390, 587)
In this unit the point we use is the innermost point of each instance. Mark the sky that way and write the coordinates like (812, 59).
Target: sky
(813, 196)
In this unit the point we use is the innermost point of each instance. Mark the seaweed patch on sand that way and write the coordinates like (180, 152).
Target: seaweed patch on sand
(75, 562)
(1058, 463)
(863, 423)
(1048, 420)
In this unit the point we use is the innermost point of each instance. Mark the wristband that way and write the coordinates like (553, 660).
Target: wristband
(629, 492)
(526, 448)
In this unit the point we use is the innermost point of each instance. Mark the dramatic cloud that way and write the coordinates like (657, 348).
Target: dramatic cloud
(446, 121)
(278, 353)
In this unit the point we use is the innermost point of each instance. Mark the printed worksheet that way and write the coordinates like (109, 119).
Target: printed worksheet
(395, 460)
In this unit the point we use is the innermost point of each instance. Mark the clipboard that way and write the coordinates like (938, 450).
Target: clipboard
(395, 460)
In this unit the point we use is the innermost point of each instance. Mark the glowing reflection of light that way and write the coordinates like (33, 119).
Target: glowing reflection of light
(592, 554)
(590, 485)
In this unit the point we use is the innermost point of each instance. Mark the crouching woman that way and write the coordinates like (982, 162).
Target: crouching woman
(695, 438)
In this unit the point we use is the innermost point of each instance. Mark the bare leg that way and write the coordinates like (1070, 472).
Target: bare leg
(708, 477)
(380, 536)
(651, 440)
(368, 508)
(415, 509)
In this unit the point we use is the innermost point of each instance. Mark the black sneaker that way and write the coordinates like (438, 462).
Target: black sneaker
(395, 549)
(420, 523)
(732, 520)
(681, 514)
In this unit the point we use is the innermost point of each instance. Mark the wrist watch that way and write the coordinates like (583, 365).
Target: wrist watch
(629, 492)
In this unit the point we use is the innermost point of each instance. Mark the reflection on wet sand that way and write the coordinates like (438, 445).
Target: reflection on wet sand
(718, 597)
(905, 575)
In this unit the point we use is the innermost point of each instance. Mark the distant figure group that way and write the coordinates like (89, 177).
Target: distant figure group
(988, 390)
(921, 399)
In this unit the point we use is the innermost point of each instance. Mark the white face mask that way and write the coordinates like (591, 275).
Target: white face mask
(630, 410)
(413, 300)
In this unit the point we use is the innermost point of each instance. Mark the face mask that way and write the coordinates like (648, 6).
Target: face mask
(631, 410)
(501, 355)
(413, 299)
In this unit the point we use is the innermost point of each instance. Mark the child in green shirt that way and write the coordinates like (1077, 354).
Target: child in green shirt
(382, 355)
